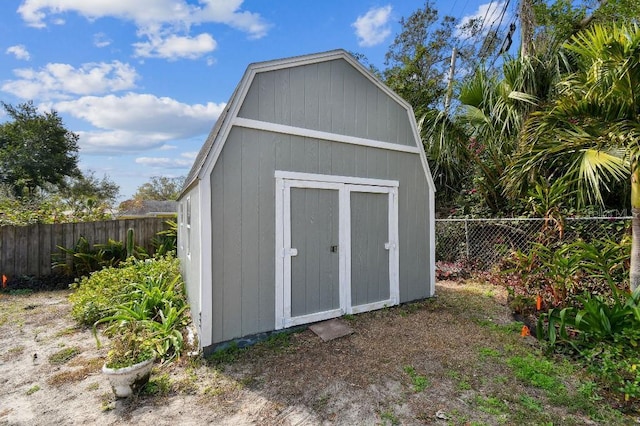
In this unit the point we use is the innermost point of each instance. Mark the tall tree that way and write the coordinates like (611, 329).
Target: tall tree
(590, 134)
(160, 188)
(35, 150)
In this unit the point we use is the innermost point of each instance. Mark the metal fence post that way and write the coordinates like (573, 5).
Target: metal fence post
(466, 234)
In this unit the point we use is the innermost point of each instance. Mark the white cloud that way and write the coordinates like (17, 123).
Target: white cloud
(101, 40)
(372, 28)
(118, 141)
(137, 122)
(179, 14)
(489, 13)
(19, 51)
(175, 47)
(59, 81)
(165, 162)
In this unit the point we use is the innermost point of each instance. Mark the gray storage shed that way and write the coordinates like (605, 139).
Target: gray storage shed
(310, 199)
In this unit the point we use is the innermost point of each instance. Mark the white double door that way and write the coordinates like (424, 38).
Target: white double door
(336, 246)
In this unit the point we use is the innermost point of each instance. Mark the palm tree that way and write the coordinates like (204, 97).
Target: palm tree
(589, 136)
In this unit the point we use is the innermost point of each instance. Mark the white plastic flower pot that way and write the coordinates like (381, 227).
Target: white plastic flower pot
(127, 380)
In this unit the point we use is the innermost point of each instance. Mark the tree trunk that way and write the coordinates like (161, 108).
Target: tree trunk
(634, 269)
(527, 24)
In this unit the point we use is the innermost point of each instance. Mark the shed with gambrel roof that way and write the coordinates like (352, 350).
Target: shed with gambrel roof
(311, 198)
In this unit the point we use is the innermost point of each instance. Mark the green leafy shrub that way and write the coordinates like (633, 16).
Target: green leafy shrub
(82, 259)
(98, 295)
(604, 333)
(165, 242)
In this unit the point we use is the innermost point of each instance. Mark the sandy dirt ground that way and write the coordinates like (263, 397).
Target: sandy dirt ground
(50, 370)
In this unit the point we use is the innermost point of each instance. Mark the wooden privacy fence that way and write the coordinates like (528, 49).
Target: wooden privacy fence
(27, 250)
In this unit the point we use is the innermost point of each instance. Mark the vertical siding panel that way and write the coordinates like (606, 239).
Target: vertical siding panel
(250, 165)
(328, 287)
(373, 116)
(360, 161)
(422, 283)
(232, 325)
(266, 217)
(282, 97)
(298, 152)
(339, 95)
(311, 149)
(251, 102)
(326, 107)
(283, 152)
(343, 158)
(311, 97)
(297, 90)
(405, 137)
(217, 249)
(361, 108)
(391, 121)
(409, 247)
(347, 110)
(266, 97)
(299, 273)
(324, 157)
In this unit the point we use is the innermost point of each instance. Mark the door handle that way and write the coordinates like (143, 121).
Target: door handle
(334, 249)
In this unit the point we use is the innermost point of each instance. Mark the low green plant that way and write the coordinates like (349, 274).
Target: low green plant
(418, 381)
(390, 417)
(531, 404)
(598, 320)
(537, 372)
(33, 389)
(492, 405)
(158, 386)
(225, 355)
(131, 345)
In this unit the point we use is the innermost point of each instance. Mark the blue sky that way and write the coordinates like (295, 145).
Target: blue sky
(143, 81)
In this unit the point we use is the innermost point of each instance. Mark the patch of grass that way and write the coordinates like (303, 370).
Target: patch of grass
(491, 405)
(278, 341)
(227, 355)
(33, 389)
(349, 317)
(418, 382)
(157, 386)
(538, 372)
(531, 404)
(64, 356)
(388, 417)
(489, 353)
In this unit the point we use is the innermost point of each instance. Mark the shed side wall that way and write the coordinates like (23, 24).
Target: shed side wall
(189, 250)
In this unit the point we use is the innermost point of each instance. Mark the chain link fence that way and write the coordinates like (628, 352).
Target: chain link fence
(485, 242)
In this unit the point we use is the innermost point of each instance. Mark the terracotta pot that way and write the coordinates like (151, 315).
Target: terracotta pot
(127, 380)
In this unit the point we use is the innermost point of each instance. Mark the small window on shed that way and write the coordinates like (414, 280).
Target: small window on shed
(188, 226)
(181, 223)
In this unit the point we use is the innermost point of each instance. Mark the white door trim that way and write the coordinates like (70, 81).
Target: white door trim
(345, 185)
